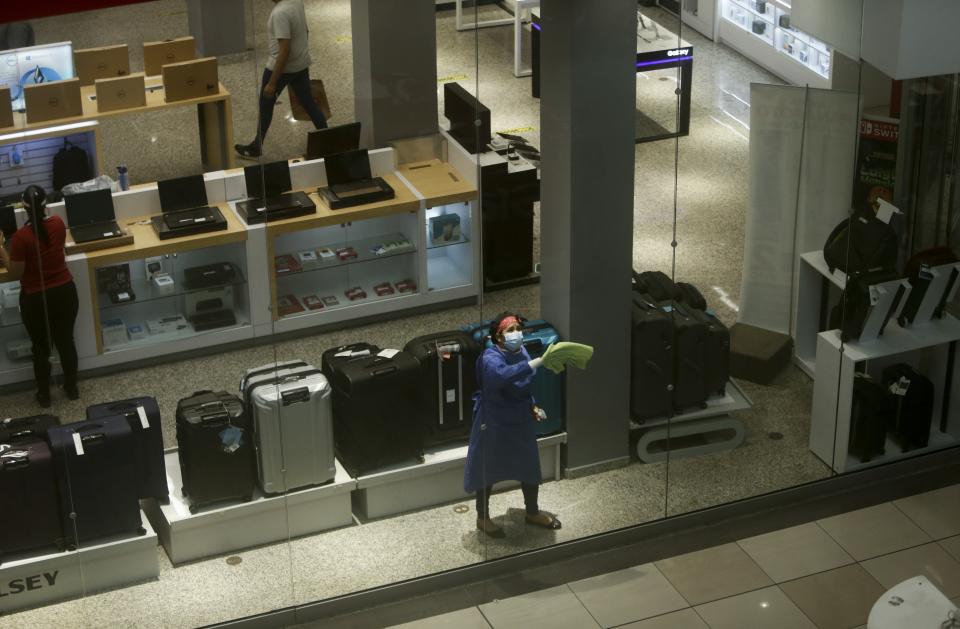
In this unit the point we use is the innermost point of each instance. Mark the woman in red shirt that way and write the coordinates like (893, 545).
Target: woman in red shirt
(48, 296)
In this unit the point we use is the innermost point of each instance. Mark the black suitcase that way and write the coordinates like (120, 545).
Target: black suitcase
(716, 353)
(920, 281)
(869, 418)
(29, 503)
(689, 294)
(859, 243)
(17, 428)
(656, 284)
(690, 341)
(446, 384)
(852, 313)
(215, 447)
(148, 442)
(209, 275)
(343, 353)
(375, 419)
(96, 475)
(651, 360)
(911, 395)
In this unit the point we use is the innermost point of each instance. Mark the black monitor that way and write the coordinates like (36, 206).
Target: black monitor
(84, 208)
(182, 193)
(461, 109)
(338, 139)
(8, 221)
(267, 181)
(347, 167)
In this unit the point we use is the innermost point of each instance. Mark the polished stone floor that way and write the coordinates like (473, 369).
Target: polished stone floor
(825, 574)
(700, 180)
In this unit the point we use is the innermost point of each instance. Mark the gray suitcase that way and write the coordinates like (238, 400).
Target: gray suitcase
(293, 427)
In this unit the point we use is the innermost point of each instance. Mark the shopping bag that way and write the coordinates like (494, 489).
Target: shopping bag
(319, 97)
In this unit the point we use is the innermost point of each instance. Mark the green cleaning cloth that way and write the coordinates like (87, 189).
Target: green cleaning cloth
(559, 355)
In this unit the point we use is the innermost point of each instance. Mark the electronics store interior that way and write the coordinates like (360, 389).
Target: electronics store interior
(305, 298)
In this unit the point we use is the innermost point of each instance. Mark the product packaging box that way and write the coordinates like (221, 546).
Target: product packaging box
(6, 108)
(190, 79)
(52, 101)
(114, 332)
(167, 325)
(124, 92)
(104, 62)
(157, 54)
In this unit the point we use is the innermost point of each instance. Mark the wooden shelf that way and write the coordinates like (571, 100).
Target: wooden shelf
(439, 183)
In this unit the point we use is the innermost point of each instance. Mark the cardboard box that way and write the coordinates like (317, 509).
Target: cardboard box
(52, 101)
(157, 54)
(190, 79)
(123, 92)
(6, 111)
(105, 62)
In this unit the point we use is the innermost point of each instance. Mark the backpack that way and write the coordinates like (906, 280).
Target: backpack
(70, 165)
(872, 244)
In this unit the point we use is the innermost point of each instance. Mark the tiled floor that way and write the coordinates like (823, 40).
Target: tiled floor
(820, 575)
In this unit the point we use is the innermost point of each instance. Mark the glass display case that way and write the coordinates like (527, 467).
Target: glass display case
(449, 252)
(340, 266)
(769, 21)
(171, 296)
(16, 350)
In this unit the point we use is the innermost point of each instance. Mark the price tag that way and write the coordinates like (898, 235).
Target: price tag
(451, 396)
(78, 444)
(143, 417)
(388, 353)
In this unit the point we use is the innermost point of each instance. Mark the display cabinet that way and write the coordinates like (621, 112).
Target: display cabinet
(768, 21)
(448, 238)
(14, 341)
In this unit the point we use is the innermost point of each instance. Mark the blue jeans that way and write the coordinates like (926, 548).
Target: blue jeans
(299, 82)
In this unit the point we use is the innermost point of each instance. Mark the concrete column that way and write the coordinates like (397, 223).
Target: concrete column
(588, 85)
(394, 68)
(218, 26)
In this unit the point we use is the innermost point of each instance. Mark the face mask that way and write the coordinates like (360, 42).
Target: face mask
(513, 341)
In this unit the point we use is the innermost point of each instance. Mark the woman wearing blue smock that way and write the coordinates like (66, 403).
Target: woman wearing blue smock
(503, 439)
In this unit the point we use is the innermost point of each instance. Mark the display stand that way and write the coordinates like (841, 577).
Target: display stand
(930, 348)
(37, 148)
(522, 8)
(238, 526)
(437, 480)
(814, 289)
(44, 579)
(714, 424)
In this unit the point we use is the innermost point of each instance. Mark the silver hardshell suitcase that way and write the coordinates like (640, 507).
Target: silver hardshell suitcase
(293, 427)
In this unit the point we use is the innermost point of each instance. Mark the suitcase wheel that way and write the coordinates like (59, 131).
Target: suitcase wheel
(141, 531)
(193, 509)
(902, 320)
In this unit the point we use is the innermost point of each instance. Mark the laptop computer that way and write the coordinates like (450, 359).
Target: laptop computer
(183, 201)
(332, 140)
(91, 217)
(350, 183)
(270, 199)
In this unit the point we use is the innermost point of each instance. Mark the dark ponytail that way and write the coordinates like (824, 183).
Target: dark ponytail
(35, 202)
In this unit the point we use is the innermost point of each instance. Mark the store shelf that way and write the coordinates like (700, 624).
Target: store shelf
(746, 7)
(344, 301)
(463, 241)
(732, 401)
(167, 337)
(766, 37)
(364, 251)
(10, 318)
(145, 291)
(816, 44)
(443, 273)
(893, 451)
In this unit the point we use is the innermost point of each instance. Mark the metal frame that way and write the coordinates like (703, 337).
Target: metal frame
(469, 26)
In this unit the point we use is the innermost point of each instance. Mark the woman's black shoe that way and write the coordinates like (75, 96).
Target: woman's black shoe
(43, 399)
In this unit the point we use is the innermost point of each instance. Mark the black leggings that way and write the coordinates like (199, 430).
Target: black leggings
(530, 493)
(299, 83)
(47, 315)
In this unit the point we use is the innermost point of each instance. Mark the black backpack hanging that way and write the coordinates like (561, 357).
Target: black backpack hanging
(70, 165)
(872, 245)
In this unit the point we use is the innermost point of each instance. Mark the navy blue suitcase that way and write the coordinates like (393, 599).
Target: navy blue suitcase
(96, 475)
(547, 386)
(148, 442)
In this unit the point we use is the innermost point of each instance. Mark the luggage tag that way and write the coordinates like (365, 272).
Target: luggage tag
(231, 438)
(388, 353)
(901, 386)
(926, 272)
(78, 443)
(144, 423)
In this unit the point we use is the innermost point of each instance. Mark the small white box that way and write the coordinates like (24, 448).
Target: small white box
(326, 254)
(154, 267)
(308, 259)
(11, 296)
(163, 284)
(114, 332)
(19, 349)
(136, 332)
(167, 325)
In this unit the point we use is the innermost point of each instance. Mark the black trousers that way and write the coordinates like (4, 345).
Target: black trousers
(299, 83)
(530, 494)
(50, 316)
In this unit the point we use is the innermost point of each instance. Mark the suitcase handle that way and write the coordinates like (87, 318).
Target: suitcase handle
(295, 396)
(94, 438)
(14, 459)
(384, 372)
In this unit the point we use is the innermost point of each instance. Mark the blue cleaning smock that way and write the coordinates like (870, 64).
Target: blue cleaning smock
(503, 439)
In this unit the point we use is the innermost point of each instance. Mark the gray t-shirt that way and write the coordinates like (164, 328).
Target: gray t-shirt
(288, 20)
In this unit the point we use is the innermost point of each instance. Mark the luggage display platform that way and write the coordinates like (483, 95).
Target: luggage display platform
(718, 431)
(241, 525)
(439, 479)
(52, 576)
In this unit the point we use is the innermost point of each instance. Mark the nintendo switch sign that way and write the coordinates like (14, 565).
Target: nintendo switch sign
(19, 11)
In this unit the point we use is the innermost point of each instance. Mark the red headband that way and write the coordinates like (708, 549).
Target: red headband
(506, 323)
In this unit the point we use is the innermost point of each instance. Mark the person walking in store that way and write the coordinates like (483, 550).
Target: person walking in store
(48, 296)
(289, 64)
(503, 440)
